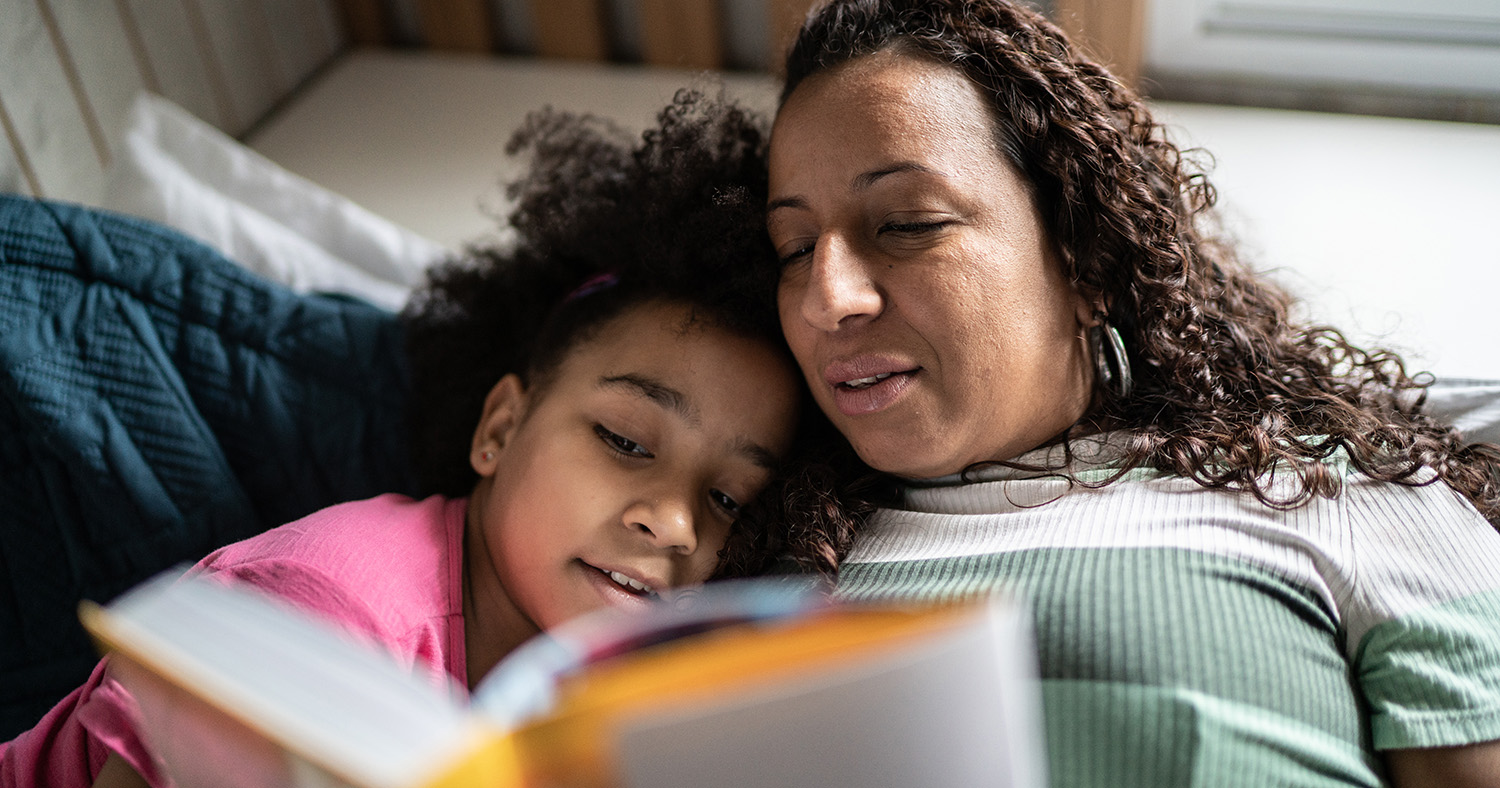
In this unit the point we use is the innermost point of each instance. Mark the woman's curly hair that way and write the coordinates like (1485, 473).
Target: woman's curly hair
(1226, 386)
(674, 214)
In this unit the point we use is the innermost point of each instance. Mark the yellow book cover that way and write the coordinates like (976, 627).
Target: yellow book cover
(758, 683)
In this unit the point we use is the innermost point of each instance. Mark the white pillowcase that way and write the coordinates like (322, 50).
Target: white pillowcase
(174, 169)
(1473, 406)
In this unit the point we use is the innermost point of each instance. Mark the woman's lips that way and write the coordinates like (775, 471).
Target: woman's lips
(868, 386)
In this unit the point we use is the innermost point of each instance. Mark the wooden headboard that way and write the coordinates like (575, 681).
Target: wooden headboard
(71, 67)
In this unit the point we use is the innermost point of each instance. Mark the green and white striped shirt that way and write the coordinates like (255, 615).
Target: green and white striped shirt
(1190, 637)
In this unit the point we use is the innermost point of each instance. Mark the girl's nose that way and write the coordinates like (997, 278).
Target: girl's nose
(666, 520)
(838, 290)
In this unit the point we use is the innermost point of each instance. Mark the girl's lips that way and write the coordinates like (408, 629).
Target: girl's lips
(615, 592)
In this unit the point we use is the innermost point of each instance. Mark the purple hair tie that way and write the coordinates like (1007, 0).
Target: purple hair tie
(593, 285)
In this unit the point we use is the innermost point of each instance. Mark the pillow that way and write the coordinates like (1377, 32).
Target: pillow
(174, 169)
(1472, 406)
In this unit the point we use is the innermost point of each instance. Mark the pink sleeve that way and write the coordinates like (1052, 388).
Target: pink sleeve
(68, 747)
(308, 590)
(111, 717)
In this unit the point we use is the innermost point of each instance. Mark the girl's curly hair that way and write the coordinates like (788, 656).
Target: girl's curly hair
(674, 214)
(1226, 386)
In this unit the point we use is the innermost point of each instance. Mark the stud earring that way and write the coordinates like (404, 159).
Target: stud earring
(486, 455)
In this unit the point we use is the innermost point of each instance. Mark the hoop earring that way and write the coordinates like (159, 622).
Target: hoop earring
(1110, 360)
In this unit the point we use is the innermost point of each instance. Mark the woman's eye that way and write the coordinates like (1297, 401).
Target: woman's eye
(797, 253)
(912, 228)
(724, 502)
(620, 443)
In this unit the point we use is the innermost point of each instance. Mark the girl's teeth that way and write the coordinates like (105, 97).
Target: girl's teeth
(861, 383)
(629, 583)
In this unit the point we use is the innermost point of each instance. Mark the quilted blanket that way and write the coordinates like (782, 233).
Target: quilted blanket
(157, 401)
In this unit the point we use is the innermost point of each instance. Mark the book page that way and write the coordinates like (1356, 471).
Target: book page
(198, 650)
(954, 710)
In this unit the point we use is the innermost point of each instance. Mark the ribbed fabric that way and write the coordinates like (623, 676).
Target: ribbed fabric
(1197, 638)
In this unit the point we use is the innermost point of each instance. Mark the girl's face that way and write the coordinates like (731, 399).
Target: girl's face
(621, 477)
(919, 289)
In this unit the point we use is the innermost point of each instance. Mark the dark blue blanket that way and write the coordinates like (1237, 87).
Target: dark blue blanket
(157, 401)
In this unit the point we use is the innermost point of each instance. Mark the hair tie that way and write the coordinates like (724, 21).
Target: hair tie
(592, 285)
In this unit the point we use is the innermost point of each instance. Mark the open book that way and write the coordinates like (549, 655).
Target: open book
(744, 683)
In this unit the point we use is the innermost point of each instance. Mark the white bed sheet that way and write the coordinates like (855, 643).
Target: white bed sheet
(1382, 225)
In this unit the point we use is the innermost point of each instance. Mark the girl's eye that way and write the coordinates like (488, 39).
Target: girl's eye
(724, 502)
(620, 443)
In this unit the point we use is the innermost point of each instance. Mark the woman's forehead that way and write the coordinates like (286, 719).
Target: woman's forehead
(887, 79)
(885, 106)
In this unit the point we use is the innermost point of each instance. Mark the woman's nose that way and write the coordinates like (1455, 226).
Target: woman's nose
(838, 288)
(665, 520)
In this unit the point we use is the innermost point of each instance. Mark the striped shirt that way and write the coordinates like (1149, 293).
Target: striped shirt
(1190, 637)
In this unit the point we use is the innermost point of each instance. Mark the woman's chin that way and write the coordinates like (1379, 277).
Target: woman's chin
(899, 458)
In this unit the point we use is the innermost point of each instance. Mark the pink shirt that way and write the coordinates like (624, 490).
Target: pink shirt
(389, 569)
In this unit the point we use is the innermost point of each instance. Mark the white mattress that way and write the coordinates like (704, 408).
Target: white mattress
(1383, 225)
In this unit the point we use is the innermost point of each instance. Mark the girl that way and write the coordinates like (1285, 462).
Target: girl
(633, 398)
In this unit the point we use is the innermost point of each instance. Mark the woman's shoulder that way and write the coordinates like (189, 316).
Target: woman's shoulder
(1087, 491)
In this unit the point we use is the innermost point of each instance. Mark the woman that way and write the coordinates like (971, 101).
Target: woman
(1252, 560)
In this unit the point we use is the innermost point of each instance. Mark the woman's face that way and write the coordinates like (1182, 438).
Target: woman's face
(919, 290)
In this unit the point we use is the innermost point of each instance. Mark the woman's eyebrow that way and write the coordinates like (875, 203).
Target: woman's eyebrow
(656, 391)
(861, 182)
(867, 179)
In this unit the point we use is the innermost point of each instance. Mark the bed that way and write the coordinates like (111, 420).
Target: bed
(213, 207)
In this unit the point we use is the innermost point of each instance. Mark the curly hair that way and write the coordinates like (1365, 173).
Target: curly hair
(1227, 387)
(674, 214)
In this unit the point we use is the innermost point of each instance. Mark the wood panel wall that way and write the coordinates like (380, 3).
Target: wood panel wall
(1112, 30)
(681, 33)
(71, 67)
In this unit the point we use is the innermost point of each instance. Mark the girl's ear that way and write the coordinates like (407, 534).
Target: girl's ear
(504, 408)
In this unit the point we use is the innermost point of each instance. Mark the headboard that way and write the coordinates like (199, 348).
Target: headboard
(72, 67)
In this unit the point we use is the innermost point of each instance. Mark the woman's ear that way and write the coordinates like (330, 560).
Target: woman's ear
(1090, 309)
(504, 408)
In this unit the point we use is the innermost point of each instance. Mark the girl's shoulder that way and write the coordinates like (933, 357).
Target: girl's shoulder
(372, 528)
(379, 565)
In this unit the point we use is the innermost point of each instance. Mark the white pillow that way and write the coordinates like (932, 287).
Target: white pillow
(172, 168)
(1472, 406)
